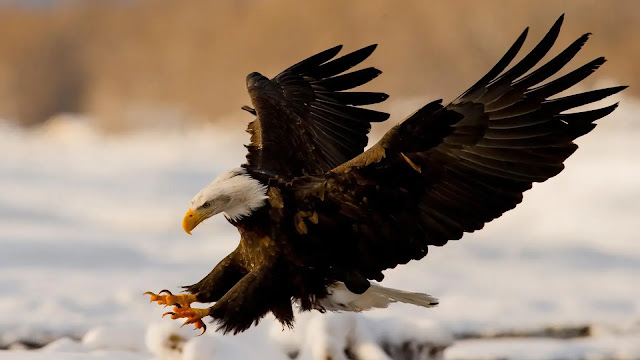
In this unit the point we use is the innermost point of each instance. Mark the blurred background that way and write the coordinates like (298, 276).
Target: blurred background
(113, 113)
(120, 61)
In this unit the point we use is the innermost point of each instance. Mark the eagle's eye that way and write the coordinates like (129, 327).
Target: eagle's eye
(206, 205)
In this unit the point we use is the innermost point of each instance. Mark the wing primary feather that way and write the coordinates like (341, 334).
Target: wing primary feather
(344, 63)
(552, 66)
(354, 98)
(514, 101)
(571, 101)
(563, 83)
(329, 149)
(531, 171)
(349, 80)
(518, 155)
(524, 132)
(501, 189)
(479, 87)
(322, 114)
(339, 139)
(483, 168)
(324, 126)
(500, 90)
(528, 119)
(531, 143)
(331, 109)
(540, 117)
(314, 60)
(588, 116)
(532, 58)
(357, 114)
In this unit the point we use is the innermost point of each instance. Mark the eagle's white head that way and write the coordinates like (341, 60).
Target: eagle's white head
(234, 193)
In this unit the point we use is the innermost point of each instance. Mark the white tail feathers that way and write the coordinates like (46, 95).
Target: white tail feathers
(341, 299)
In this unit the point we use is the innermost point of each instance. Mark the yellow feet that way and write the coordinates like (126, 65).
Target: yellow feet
(181, 300)
(181, 308)
(193, 315)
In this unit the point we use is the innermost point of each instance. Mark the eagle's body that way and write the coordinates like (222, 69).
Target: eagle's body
(319, 218)
(298, 262)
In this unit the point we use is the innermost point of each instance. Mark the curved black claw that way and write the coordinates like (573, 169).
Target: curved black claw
(204, 329)
(165, 291)
(198, 325)
(168, 313)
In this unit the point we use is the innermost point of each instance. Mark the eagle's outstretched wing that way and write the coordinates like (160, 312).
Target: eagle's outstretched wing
(305, 122)
(447, 170)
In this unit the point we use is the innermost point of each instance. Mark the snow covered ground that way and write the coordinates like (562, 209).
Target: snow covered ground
(88, 222)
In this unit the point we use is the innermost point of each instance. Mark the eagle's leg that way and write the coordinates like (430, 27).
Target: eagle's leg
(263, 290)
(220, 280)
(226, 274)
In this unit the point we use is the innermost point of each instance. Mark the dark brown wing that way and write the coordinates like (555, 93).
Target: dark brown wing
(306, 123)
(447, 170)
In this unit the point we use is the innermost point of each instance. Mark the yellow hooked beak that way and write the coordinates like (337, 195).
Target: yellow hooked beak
(191, 220)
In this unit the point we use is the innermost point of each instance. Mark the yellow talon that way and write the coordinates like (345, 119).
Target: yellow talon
(181, 300)
(193, 315)
(181, 308)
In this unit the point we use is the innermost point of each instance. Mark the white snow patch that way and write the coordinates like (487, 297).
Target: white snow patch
(166, 339)
(228, 347)
(64, 344)
(609, 347)
(115, 337)
(320, 336)
(96, 355)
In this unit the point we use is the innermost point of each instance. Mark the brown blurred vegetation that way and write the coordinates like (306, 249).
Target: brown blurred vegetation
(121, 61)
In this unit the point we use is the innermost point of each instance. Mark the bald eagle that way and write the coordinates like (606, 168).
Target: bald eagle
(319, 217)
